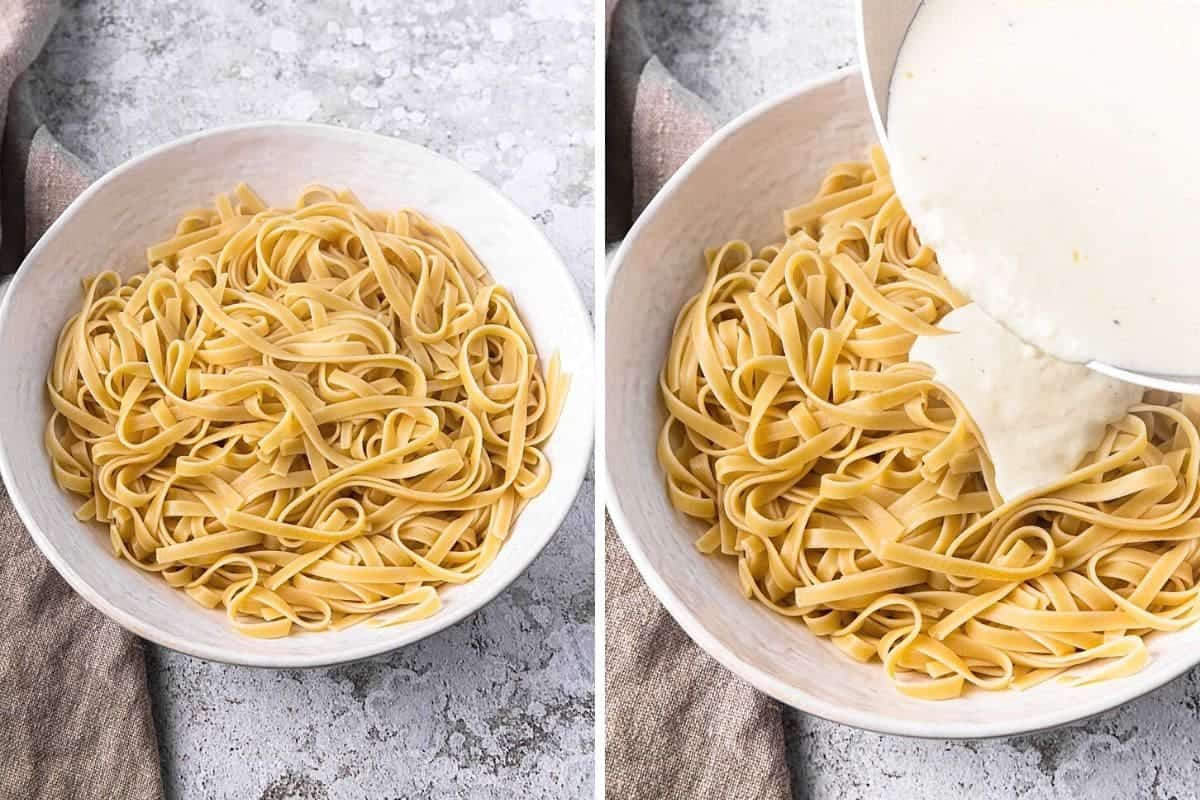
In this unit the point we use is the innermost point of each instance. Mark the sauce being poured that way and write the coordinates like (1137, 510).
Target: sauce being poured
(1046, 151)
(1039, 416)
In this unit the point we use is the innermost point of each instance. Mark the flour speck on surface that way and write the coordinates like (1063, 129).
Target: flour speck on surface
(284, 41)
(502, 30)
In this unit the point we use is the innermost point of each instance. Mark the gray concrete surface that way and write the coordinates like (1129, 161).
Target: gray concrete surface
(734, 53)
(500, 705)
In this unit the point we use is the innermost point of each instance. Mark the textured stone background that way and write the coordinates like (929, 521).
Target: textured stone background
(735, 53)
(500, 705)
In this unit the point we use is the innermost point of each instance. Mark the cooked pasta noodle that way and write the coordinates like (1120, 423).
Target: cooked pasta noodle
(856, 494)
(310, 417)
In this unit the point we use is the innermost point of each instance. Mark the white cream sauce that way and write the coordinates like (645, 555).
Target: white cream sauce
(1039, 416)
(1047, 152)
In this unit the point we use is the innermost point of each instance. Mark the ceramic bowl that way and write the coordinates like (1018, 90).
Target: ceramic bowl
(737, 186)
(137, 204)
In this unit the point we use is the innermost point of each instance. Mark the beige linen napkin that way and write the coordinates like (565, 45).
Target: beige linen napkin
(75, 718)
(679, 726)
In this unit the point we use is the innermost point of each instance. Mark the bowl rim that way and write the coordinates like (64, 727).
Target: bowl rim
(797, 697)
(548, 524)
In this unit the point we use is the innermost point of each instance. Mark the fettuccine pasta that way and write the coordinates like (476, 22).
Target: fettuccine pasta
(855, 494)
(309, 417)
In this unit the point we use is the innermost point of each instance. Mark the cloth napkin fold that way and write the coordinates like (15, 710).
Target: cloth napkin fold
(679, 726)
(75, 719)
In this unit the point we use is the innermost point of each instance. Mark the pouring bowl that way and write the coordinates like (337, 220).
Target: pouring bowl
(882, 26)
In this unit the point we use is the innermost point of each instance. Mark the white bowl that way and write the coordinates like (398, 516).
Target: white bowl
(137, 204)
(736, 186)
